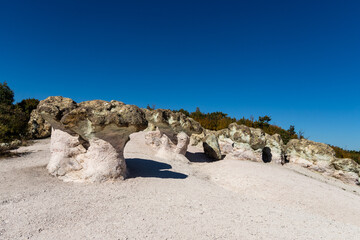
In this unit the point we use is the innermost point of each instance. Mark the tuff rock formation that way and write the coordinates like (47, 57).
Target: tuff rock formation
(171, 123)
(88, 138)
(88, 141)
(244, 143)
(37, 126)
(164, 147)
(308, 153)
(211, 147)
(320, 157)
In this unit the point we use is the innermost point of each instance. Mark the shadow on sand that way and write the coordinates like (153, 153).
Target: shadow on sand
(200, 157)
(149, 168)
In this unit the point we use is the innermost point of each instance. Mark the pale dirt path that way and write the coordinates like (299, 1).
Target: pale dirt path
(171, 200)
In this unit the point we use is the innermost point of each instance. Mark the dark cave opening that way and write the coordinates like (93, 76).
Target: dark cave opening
(266, 155)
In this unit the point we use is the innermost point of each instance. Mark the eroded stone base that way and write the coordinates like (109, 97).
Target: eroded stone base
(72, 161)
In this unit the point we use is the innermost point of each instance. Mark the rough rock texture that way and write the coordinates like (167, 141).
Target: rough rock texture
(164, 147)
(276, 145)
(88, 141)
(242, 142)
(171, 123)
(89, 138)
(307, 153)
(211, 147)
(9, 146)
(321, 158)
(37, 126)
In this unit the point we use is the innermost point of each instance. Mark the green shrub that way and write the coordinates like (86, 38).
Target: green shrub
(13, 118)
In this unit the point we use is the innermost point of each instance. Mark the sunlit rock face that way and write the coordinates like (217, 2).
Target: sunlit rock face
(307, 153)
(37, 126)
(211, 147)
(164, 147)
(88, 138)
(244, 143)
(321, 158)
(171, 123)
(88, 141)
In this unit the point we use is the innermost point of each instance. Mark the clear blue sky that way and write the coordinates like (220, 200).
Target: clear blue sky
(297, 61)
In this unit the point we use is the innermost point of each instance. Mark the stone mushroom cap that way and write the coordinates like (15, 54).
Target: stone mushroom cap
(96, 118)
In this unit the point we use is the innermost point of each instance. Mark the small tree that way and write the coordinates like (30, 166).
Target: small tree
(264, 121)
(292, 130)
(27, 105)
(6, 94)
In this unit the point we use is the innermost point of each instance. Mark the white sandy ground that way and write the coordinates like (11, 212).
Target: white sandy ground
(167, 199)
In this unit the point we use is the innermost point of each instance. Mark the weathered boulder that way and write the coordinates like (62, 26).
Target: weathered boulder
(275, 145)
(37, 126)
(171, 123)
(164, 147)
(308, 153)
(347, 170)
(88, 138)
(242, 142)
(211, 147)
(320, 157)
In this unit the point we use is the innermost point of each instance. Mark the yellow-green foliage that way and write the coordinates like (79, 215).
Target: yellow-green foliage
(342, 153)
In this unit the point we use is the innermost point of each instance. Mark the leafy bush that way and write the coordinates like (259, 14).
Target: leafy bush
(6, 94)
(13, 123)
(27, 105)
(13, 118)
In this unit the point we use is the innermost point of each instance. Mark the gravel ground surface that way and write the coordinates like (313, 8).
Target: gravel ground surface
(167, 199)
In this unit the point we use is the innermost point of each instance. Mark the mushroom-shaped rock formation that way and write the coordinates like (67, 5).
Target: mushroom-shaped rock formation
(88, 138)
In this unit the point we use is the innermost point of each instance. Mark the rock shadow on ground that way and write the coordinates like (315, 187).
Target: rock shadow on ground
(138, 167)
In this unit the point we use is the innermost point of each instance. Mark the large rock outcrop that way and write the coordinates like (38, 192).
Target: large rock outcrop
(308, 153)
(88, 138)
(244, 143)
(320, 157)
(37, 126)
(171, 123)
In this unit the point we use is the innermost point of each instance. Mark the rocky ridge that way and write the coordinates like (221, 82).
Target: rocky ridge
(88, 141)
